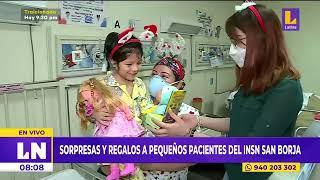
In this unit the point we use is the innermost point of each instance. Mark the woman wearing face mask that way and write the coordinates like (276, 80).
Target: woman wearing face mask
(172, 72)
(169, 68)
(269, 96)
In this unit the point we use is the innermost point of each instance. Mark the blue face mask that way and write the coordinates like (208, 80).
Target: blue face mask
(156, 84)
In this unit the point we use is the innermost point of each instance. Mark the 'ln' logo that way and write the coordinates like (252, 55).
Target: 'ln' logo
(35, 150)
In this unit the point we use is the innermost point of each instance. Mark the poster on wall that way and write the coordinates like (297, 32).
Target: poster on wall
(79, 55)
(150, 57)
(208, 55)
(206, 21)
(90, 13)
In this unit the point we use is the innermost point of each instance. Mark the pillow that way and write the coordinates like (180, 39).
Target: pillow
(314, 103)
(305, 119)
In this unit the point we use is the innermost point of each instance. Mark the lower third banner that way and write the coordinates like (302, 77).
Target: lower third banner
(197, 150)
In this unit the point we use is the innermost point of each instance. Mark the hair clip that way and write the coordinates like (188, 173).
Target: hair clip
(92, 87)
(123, 38)
(250, 5)
(244, 5)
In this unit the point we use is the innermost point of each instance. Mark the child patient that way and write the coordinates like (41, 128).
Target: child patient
(92, 96)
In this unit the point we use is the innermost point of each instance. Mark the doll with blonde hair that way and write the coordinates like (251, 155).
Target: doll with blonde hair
(92, 96)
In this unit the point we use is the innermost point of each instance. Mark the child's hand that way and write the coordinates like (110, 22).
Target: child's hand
(158, 97)
(103, 115)
(181, 126)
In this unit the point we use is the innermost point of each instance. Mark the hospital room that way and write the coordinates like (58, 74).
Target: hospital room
(55, 54)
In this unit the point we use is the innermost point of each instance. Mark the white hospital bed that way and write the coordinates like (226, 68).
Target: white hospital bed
(309, 171)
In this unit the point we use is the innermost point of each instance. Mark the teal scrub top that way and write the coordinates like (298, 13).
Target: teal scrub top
(271, 114)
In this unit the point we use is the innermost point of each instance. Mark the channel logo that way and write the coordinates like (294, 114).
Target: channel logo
(290, 19)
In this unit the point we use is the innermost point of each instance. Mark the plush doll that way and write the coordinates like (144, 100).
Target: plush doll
(149, 33)
(161, 92)
(94, 95)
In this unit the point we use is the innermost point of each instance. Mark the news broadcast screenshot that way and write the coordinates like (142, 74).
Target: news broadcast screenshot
(159, 90)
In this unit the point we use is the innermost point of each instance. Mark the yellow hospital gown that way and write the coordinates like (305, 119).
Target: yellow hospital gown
(140, 100)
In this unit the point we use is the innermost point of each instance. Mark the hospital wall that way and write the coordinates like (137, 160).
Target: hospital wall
(16, 61)
(303, 45)
(16, 50)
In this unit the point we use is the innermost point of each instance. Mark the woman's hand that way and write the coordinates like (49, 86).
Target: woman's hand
(181, 126)
(102, 115)
(189, 119)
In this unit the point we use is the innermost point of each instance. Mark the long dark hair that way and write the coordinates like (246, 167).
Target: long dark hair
(123, 52)
(266, 60)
